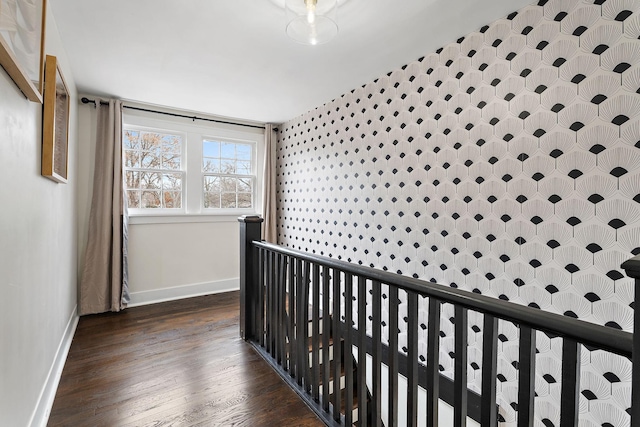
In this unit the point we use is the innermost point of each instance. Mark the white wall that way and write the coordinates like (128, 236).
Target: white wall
(37, 254)
(168, 261)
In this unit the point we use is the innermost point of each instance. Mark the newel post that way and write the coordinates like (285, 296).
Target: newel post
(250, 230)
(632, 268)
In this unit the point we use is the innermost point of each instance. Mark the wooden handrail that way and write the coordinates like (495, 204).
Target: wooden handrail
(606, 338)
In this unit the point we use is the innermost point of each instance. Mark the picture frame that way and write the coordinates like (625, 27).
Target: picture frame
(55, 123)
(22, 38)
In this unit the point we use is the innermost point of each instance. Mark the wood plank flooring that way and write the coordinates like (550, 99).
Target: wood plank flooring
(180, 363)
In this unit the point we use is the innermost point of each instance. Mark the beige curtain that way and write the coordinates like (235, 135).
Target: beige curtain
(103, 285)
(269, 232)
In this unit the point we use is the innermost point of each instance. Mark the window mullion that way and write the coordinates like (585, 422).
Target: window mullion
(193, 188)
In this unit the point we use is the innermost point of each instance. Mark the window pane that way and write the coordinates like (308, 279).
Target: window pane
(228, 150)
(150, 160)
(130, 140)
(243, 168)
(211, 200)
(131, 159)
(132, 179)
(172, 181)
(171, 144)
(243, 151)
(172, 199)
(149, 180)
(133, 199)
(151, 141)
(212, 184)
(228, 167)
(171, 161)
(211, 165)
(244, 200)
(210, 148)
(150, 199)
(244, 185)
(228, 200)
(228, 184)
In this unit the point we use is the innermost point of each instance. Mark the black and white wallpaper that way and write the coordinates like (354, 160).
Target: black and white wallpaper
(506, 163)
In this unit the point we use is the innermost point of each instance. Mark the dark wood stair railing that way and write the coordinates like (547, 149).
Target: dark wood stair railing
(294, 312)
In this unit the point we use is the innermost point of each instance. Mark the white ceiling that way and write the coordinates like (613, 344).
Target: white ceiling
(232, 58)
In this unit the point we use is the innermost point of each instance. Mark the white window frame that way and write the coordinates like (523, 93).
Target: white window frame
(252, 176)
(182, 170)
(192, 165)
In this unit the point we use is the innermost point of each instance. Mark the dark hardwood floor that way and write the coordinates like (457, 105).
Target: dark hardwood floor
(178, 363)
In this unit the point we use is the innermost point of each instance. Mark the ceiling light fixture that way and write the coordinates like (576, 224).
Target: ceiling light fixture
(311, 21)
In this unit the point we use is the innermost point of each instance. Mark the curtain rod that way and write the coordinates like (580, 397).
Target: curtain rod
(86, 100)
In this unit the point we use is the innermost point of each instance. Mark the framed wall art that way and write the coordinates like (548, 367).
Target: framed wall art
(55, 123)
(22, 26)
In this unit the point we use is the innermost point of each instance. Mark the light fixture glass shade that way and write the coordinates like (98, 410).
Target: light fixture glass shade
(311, 21)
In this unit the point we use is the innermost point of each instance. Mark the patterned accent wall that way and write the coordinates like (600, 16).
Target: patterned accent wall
(506, 163)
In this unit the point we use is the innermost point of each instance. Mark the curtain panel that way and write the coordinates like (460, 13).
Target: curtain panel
(269, 232)
(104, 279)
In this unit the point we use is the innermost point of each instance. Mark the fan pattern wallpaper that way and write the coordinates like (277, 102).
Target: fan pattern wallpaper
(507, 163)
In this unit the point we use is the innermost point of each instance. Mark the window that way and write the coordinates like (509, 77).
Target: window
(227, 169)
(153, 172)
(178, 167)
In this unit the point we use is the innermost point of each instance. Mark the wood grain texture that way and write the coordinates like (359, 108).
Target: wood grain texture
(10, 64)
(180, 363)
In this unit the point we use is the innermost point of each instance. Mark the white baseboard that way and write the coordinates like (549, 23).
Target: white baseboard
(41, 413)
(185, 291)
